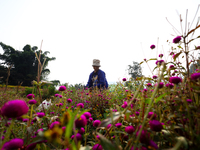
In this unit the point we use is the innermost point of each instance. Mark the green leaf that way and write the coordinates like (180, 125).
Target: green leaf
(159, 98)
(176, 55)
(141, 62)
(153, 59)
(147, 101)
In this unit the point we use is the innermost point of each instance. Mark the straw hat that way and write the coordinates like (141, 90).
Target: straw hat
(96, 62)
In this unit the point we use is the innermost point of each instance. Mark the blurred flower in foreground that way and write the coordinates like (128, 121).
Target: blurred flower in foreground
(32, 101)
(62, 88)
(152, 46)
(175, 80)
(124, 79)
(151, 114)
(129, 129)
(81, 121)
(69, 100)
(30, 96)
(96, 123)
(195, 76)
(97, 147)
(81, 105)
(160, 55)
(155, 77)
(159, 62)
(161, 84)
(14, 108)
(13, 144)
(118, 125)
(155, 125)
(170, 85)
(87, 115)
(177, 39)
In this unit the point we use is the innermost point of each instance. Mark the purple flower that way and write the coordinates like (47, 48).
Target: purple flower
(177, 39)
(160, 55)
(108, 126)
(161, 84)
(114, 110)
(25, 120)
(40, 114)
(151, 114)
(60, 96)
(145, 59)
(125, 104)
(62, 88)
(155, 77)
(14, 108)
(81, 121)
(171, 66)
(152, 46)
(69, 100)
(170, 85)
(90, 119)
(87, 115)
(137, 113)
(153, 144)
(195, 76)
(55, 123)
(32, 101)
(144, 137)
(129, 129)
(81, 130)
(60, 104)
(97, 147)
(144, 90)
(78, 137)
(56, 95)
(189, 100)
(30, 96)
(52, 112)
(159, 62)
(172, 53)
(118, 125)
(96, 123)
(124, 79)
(81, 105)
(155, 125)
(175, 80)
(13, 144)
(149, 84)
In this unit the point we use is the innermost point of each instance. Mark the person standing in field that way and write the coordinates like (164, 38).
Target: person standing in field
(98, 77)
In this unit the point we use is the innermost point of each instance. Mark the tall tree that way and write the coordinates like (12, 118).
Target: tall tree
(25, 63)
(135, 70)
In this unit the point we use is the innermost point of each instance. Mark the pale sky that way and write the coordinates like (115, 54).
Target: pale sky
(78, 31)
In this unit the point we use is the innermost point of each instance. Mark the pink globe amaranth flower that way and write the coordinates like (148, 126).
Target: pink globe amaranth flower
(108, 126)
(152, 46)
(152, 114)
(60, 96)
(30, 96)
(90, 119)
(171, 53)
(118, 125)
(114, 110)
(137, 113)
(155, 125)
(56, 95)
(161, 84)
(13, 144)
(149, 84)
(170, 85)
(145, 59)
(25, 120)
(129, 129)
(60, 104)
(175, 80)
(81, 121)
(195, 76)
(78, 137)
(14, 108)
(40, 114)
(124, 79)
(144, 90)
(159, 62)
(171, 66)
(177, 39)
(97, 147)
(144, 137)
(32, 101)
(62, 88)
(81, 130)
(153, 144)
(87, 115)
(160, 55)
(52, 112)
(55, 123)
(125, 104)
(96, 123)
(189, 100)
(155, 77)
(81, 105)
(98, 137)
(69, 100)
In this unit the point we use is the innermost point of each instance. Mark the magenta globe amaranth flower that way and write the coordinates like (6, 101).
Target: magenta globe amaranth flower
(171, 66)
(62, 88)
(87, 115)
(177, 39)
(124, 79)
(159, 62)
(97, 147)
(170, 85)
(152, 114)
(118, 125)
(81, 105)
(40, 114)
(96, 123)
(175, 80)
(30, 96)
(155, 77)
(195, 76)
(81, 130)
(125, 104)
(81, 121)
(144, 90)
(69, 100)
(55, 123)
(78, 137)
(108, 126)
(56, 95)
(129, 129)
(32, 101)
(13, 144)
(144, 137)
(189, 100)
(155, 125)
(14, 108)
(161, 84)
(160, 55)
(60, 96)
(152, 46)
(149, 84)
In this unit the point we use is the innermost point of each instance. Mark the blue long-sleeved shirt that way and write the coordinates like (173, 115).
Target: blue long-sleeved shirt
(99, 80)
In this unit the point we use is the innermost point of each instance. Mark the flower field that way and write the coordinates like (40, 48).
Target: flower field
(161, 112)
